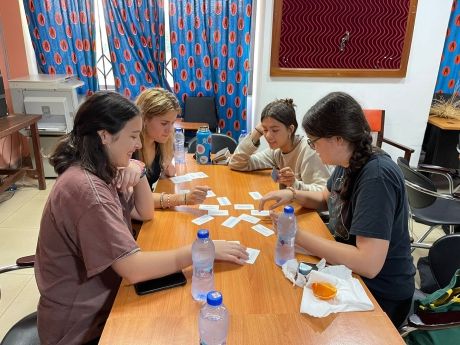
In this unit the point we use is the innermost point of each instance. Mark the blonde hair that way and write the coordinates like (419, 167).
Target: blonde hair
(152, 103)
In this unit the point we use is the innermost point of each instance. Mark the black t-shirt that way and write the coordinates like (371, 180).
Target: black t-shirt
(378, 209)
(154, 170)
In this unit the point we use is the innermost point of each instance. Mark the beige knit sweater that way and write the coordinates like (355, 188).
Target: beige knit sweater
(310, 172)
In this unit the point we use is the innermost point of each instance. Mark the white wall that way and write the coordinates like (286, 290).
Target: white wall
(406, 100)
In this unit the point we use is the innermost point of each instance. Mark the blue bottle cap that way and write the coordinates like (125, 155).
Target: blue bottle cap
(202, 233)
(178, 129)
(243, 131)
(288, 209)
(214, 298)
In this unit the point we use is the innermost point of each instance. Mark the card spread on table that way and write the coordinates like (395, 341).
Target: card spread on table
(227, 241)
(218, 212)
(253, 254)
(208, 207)
(196, 175)
(255, 195)
(263, 213)
(231, 222)
(203, 219)
(223, 201)
(263, 230)
(248, 218)
(244, 206)
(181, 179)
(184, 191)
(210, 194)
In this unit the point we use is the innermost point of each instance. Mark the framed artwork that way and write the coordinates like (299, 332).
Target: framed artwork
(336, 38)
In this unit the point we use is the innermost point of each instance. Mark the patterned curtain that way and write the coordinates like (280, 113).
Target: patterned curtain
(210, 42)
(449, 69)
(62, 33)
(135, 33)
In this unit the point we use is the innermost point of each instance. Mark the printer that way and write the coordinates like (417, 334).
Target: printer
(55, 98)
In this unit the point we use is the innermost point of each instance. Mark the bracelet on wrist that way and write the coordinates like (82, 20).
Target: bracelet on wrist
(293, 192)
(185, 198)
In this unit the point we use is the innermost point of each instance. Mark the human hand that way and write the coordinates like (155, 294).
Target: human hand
(197, 195)
(286, 176)
(231, 251)
(274, 217)
(170, 170)
(130, 176)
(281, 197)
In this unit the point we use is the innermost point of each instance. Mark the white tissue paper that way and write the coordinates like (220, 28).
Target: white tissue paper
(350, 293)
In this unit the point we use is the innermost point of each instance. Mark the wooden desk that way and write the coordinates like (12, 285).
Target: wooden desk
(440, 142)
(263, 304)
(194, 126)
(12, 124)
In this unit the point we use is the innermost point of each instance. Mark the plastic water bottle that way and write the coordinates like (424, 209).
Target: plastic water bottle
(286, 227)
(242, 135)
(203, 254)
(213, 320)
(179, 149)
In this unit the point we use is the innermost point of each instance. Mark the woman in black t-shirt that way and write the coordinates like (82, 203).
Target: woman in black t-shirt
(366, 200)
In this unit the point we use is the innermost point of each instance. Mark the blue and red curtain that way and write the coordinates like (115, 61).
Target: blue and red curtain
(210, 43)
(136, 37)
(63, 37)
(449, 68)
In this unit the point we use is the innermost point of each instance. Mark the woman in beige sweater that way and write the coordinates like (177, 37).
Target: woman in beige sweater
(295, 164)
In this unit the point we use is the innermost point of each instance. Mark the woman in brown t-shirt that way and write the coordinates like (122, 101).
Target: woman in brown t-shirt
(85, 245)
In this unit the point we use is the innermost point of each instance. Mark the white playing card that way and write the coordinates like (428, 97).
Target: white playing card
(231, 222)
(218, 212)
(223, 201)
(196, 175)
(255, 195)
(208, 207)
(253, 254)
(180, 179)
(263, 213)
(203, 219)
(244, 206)
(263, 230)
(210, 194)
(248, 218)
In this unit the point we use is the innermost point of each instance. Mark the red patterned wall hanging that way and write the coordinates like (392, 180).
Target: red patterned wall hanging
(336, 38)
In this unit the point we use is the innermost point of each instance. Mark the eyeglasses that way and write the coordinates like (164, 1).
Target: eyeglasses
(311, 143)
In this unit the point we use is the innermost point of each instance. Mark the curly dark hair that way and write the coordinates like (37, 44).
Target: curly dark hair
(83, 146)
(339, 114)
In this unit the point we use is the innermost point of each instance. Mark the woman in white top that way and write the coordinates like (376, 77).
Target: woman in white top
(295, 164)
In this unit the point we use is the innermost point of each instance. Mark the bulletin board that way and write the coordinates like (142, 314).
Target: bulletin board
(336, 38)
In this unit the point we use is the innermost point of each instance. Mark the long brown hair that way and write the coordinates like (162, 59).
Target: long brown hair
(156, 102)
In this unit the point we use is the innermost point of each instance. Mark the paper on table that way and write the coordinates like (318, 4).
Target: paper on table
(230, 222)
(210, 194)
(350, 296)
(253, 254)
(263, 213)
(181, 179)
(196, 175)
(208, 207)
(218, 212)
(244, 206)
(255, 195)
(248, 218)
(203, 219)
(263, 230)
(223, 201)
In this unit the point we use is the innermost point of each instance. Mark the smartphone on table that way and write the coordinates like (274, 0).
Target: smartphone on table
(158, 284)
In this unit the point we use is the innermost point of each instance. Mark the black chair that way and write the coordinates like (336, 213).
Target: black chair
(427, 205)
(444, 262)
(23, 332)
(200, 109)
(219, 141)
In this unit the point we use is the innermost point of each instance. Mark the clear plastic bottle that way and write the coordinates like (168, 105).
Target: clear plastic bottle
(203, 254)
(213, 320)
(242, 135)
(179, 149)
(286, 228)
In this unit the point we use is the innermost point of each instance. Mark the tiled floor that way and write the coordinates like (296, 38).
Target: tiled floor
(19, 225)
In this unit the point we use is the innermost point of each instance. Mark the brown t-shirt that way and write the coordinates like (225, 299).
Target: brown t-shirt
(84, 229)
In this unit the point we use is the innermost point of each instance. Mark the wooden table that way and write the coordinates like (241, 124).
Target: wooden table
(194, 126)
(263, 304)
(13, 124)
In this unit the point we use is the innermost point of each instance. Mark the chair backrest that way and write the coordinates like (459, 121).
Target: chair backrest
(417, 199)
(201, 109)
(444, 258)
(219, 141)
(376, 120)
